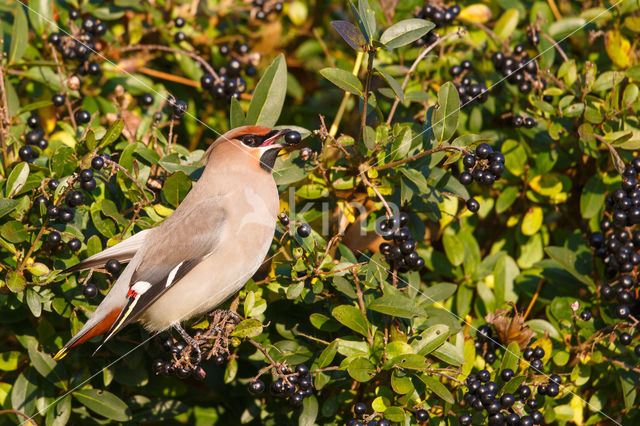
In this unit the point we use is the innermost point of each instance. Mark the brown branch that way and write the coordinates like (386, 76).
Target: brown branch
(419, 59)
(20, 414)
(64, 89)
(371, 54)
(618, 160)
(192, 55)
(555, 44)
(4, 119)
(115, 165)
(365, 180)
(170, 77)
(420, 155)
(533, 299)
(486, 29)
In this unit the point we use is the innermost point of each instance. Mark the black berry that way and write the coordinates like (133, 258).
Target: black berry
(113, 266)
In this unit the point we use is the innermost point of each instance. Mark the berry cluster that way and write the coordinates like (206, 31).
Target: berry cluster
(527, 122)
(402, 251)
(183, 371)
(617, 245)
(518, 69)
(34, 137)
(440, 16)
(294, 386)
(484, 166)
(231, 83)
(179, 36)
(82, 43)
(486, 344)
(262, 9)
(468, 91)
(303, 230)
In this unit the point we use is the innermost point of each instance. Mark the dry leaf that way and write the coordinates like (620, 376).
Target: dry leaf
(510, 328)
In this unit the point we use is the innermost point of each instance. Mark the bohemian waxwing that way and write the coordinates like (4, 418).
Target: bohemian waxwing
(205, 251)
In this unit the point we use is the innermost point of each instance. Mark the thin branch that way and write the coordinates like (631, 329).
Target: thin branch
(619, 162)
(420, 155)
(486, 29)
(367, 85)
(365, 180)
(419, 59)
(20, 414)
(343, 105)
(4, 119)
(169, 77)
(64, 89)
(115, 165)
(555, 44)
(192, 55)
(533, 299)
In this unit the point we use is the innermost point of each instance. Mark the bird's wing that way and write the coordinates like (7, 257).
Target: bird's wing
(178, 245)
(122, 252)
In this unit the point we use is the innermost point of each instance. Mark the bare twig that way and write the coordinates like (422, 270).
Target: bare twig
(419, 59)
(420, 155)
(343, 105)
(4, 118)
(20, 414)
(367, 85)
(614, 153)
(486, 29)
(115, 165)
(192, 55)
(365, 180)
(64, 89)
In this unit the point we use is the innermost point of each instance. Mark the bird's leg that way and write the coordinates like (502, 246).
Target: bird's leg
(193, 343)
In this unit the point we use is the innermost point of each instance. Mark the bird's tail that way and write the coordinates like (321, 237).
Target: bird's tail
(89, 333)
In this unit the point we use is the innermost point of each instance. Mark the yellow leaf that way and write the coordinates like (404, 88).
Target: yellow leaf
(64, 137)
(618, 47)
(476, 12)
(547, 184)
(532, 221)
(348, 211)
(513, 220)
(162, 210)
(577, 405)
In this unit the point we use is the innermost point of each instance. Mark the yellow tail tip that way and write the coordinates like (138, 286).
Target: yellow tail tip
(61, 354)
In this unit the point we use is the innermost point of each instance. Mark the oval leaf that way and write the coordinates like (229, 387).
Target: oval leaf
(405, 32)
(268, 97)
(343, 79)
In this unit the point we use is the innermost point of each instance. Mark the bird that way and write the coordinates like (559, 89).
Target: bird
(205, 251)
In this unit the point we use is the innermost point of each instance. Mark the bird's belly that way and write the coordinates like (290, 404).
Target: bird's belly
(209, 284)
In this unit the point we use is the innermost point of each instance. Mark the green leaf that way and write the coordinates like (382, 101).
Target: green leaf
(565, 27)
(15, 282)
(416, 177)
(361, 369)
(175, 188)
(439, 292)
(506, 198)
(309, 411)
(104, 403)
(453, 247)
(629, 383)
(395, 86)
(113, 133)
(236, 115)
(351, 317)
(592, 198)
(268, 97)
(248, 328)
(14, 231)
(449, 354)
(344, 286)
(567, 259)
(505, 273)
(40, 14)
(19, 35)
(24, 392)
(507, 24)
(445, 121)
(396, 305)
(438, 388)
(405, 32)
(63, 161)
(327, 355)
(343, 79)
(7, 205)
(430, 339)
(511, 358)
(48, 368)
(350, 34)
(17, 179)
(368, 18)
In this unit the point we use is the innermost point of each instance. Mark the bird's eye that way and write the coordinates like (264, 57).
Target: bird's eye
(250, 140)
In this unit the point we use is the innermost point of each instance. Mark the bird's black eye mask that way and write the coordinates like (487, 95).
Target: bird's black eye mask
(255, 141)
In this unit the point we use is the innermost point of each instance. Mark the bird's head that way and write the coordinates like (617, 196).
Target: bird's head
(258, 144)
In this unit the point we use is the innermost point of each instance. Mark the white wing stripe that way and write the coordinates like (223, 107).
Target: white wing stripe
(172, 274)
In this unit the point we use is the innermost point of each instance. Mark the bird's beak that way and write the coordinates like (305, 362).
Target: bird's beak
(292, 137)
(272, 137)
